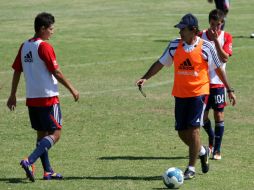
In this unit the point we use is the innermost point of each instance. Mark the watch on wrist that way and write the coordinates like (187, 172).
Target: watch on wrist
(230, 90)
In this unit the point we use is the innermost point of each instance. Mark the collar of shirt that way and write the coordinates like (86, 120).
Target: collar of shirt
(189, 48)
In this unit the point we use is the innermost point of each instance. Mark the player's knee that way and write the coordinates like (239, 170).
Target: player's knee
(56, 135)
(218, 116)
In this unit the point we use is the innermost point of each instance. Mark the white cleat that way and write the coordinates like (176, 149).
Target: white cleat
(217, 156)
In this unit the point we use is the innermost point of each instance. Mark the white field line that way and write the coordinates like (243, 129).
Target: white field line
(180, 14)
(95, 63)
(243, 47)
(10, 71)
(110, 62)
(153, 85)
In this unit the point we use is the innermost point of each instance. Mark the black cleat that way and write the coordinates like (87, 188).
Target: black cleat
(188, 174)
(204, 160)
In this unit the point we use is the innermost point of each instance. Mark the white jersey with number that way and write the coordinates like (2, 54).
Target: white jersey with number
(39, 81)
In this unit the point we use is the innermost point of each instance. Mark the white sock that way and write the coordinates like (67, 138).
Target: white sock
(191, 168)
(202, 151)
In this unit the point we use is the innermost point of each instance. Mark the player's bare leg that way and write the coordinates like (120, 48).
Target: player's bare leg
(191, 138)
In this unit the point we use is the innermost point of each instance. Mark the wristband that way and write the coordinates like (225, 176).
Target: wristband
(230, 90)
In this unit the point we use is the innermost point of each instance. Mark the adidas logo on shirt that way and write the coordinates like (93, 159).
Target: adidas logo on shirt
(186, 65)
(28, 57)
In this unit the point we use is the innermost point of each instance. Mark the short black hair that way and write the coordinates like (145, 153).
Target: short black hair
(43, 19)
(216, 15)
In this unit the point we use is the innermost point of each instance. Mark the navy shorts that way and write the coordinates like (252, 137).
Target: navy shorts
(45, 118)
(222, 5)
(216, 99)
(189, 112)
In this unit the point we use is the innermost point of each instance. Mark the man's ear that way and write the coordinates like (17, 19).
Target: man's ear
(42, 28)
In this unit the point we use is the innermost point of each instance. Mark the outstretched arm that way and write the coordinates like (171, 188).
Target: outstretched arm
(153, 70)
(11, 103)
(61, 78)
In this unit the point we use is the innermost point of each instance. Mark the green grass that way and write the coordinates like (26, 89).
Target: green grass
(113, 138)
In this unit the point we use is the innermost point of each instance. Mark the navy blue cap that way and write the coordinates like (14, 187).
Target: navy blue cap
(187, 20)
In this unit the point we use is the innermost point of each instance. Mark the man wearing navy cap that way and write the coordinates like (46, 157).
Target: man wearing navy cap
(192, 58)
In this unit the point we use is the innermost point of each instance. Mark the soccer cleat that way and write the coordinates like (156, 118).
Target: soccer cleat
(204, 160)
(52, 175)
(217, 156)
(188, 174)
(29, 169)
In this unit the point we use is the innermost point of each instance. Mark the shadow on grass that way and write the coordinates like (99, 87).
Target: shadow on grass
(162, 41)
(134, 178)
(141, 158)
(14, 180)
(242, 37)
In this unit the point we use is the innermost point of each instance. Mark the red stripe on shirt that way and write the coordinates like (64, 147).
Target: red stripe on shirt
(216, 85)
(41, 102)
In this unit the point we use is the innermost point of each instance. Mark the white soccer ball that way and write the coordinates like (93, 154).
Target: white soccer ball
(173, 178)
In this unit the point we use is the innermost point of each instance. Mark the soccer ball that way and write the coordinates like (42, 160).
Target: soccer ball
(173, 178)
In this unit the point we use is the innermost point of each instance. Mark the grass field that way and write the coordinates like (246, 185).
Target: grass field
(114, 138)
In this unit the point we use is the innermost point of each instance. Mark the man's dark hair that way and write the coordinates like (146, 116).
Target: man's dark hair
(216, 15)
(43, 19)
